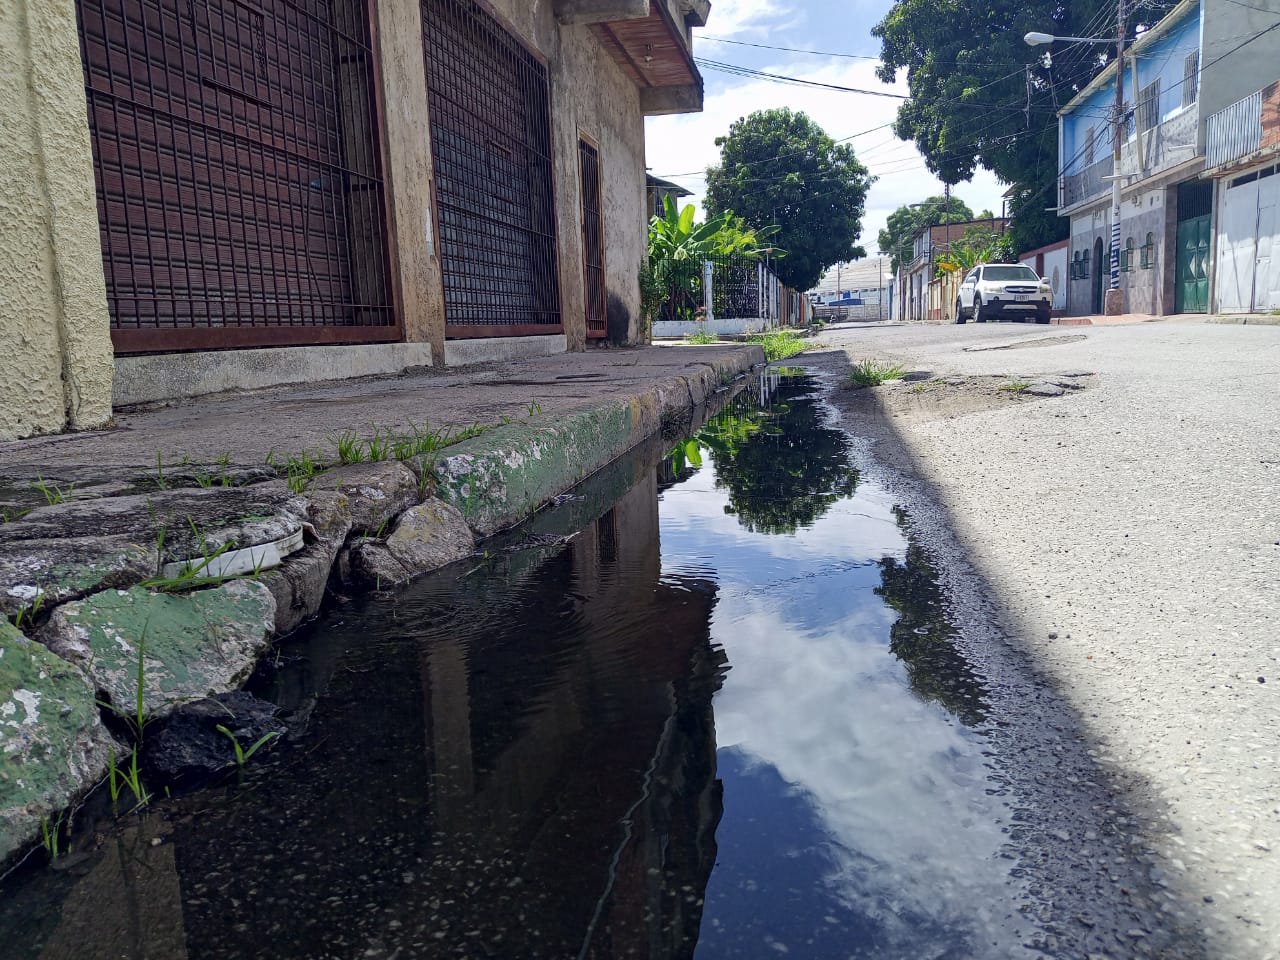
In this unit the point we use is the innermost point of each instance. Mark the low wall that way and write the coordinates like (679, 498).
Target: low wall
(664, 329)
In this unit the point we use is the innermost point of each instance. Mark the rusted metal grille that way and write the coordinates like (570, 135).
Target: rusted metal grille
(240, 195)
(592, 239)
(491, 148)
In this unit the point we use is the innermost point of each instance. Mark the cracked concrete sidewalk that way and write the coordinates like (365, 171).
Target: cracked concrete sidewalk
(242, 428)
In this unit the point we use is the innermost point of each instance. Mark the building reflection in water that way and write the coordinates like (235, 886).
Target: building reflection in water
(516, 760)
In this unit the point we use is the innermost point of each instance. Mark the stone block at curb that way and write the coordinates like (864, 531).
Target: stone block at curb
(54, 571)
(425, 538)
(195, 644)
(52, 741)
(430, 536)
(298, 586)
(376, 492)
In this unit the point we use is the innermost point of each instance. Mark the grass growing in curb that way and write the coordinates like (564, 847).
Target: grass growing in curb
(53, 493)
(701, 336)
(51, 837)
(872, 373)
(388, 444)
(1014, 386)
(780, 344)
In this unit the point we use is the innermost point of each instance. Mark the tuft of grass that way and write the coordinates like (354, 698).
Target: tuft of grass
(242, 755)
(300, 469)
(120, 777)
(872, 373)
(350, 447)
(53, 493)
(51, 837)
(1014, 386)
(780, 344)
(701, 336)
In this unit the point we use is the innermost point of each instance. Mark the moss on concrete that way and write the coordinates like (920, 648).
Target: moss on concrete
(52, 742)
(194, 644)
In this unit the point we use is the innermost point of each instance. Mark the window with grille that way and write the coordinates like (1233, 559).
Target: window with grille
(238, 171)
(1148, 251)
(1126, 256)
(1190, 78)
(489, 98)
(1149, 105)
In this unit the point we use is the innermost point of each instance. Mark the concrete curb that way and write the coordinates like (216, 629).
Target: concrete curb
(496, 480)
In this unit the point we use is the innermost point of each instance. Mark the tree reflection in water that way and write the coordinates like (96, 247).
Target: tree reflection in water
(924, 639)
(780, 465)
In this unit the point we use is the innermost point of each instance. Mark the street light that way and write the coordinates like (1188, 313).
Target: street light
(1037, 39)
(1114, 303)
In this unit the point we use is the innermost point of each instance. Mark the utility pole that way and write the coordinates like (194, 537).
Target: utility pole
(946, 237)
(1114, 304)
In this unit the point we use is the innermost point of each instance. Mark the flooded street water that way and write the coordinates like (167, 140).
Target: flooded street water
(708, 707)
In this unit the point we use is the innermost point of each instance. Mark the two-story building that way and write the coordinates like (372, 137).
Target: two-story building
(1242, 154)
(207, 194)
(1202, 55)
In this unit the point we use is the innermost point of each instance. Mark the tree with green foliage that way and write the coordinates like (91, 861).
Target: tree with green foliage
(981, 97)
(905, 222)
(779, 168)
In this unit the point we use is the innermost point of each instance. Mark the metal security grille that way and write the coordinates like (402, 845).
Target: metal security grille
(592, 239)
(491, 148)
(240, 195)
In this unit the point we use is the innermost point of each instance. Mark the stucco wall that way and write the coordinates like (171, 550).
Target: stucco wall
(591, 95)
(55, 365)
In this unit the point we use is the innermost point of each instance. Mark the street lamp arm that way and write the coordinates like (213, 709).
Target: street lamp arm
(1036, 39)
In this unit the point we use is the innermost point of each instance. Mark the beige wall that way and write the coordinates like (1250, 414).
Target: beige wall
(407, 168)
(55, 364)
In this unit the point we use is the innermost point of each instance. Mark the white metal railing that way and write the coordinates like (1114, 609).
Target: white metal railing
(1234, 131)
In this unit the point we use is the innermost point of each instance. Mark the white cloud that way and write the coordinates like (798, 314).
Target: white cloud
(748, 17)
(680, 147)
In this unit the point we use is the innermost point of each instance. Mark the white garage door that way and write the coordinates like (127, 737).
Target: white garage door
(1249, 244)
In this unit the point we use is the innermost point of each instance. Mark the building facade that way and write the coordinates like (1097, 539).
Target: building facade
(1242, 154)
(218, 194)
(1202, 55)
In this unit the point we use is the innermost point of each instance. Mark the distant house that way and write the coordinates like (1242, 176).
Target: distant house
(916, 271)
(657, 190)
(1203, 54)
(220, 194)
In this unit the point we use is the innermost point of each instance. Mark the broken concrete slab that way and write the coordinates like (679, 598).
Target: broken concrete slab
(1043, 388)
(46, 572)
(193, 645)
(179, 523)
(425, 538)
(376, 492)
(430, 536)
(52, 741)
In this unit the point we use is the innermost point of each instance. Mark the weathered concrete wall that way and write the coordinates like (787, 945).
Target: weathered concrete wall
(151, 377)
(55, 368)
(408, 169)
(591, 95)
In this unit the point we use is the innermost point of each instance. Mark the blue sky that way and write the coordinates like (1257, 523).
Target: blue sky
(679, 147)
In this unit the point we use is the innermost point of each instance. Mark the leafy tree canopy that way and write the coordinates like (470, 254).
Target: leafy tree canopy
(981, 97)
(780, 168)
(905, 222)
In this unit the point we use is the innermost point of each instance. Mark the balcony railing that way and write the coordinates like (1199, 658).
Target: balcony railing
(1087, 184)
(1234, 132)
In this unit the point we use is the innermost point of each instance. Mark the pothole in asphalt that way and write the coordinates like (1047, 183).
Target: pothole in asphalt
(1026, 344)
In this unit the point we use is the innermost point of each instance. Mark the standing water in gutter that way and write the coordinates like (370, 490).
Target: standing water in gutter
(706, 707)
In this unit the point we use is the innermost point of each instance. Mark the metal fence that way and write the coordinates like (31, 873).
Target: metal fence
(741, 289)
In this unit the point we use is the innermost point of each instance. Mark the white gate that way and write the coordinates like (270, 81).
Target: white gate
(1249, 245)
